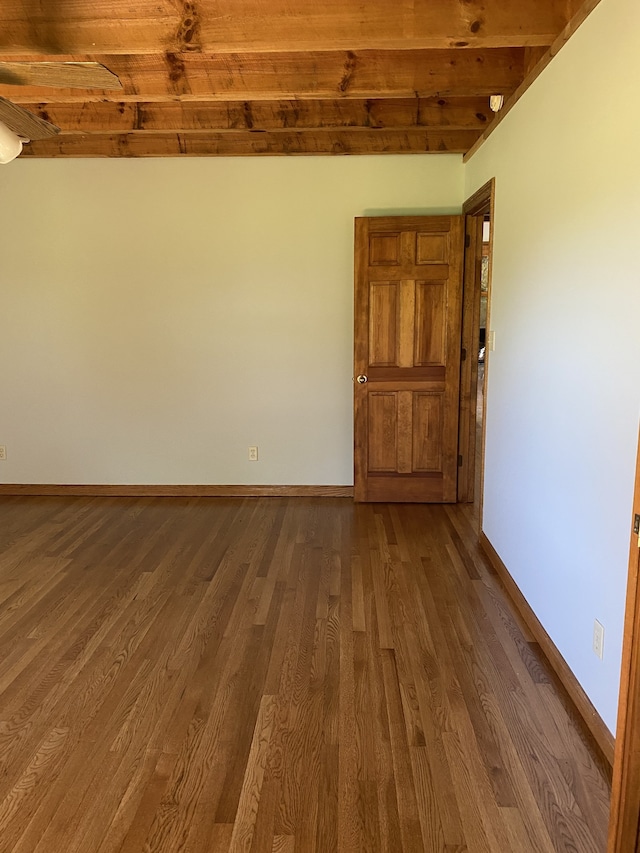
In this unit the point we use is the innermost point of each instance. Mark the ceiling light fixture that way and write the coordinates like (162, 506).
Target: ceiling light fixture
(10, 144)
(496, 102)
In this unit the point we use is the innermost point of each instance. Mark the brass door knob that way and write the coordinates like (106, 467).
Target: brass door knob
(362, 379)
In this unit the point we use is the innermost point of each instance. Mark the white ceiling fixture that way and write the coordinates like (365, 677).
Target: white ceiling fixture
(496, 102)
(10, 144)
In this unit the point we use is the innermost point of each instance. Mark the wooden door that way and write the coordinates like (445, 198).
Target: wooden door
(408, 297)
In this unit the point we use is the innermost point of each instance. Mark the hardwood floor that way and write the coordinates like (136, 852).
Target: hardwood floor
(274, 674)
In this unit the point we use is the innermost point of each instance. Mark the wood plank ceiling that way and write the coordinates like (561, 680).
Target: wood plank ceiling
(201, 77)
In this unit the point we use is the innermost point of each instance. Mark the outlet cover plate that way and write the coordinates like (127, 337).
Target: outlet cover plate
(598, 639)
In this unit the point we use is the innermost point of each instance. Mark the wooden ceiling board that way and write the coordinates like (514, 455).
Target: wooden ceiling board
(317, 74)
(254, 143)
(272, 77)
(152, 26)
(188, 116)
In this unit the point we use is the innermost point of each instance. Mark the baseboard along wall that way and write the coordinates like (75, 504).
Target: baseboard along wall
(189, 491)
(593, 721)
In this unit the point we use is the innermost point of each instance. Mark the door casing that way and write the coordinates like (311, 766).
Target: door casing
(468, 457)
(624, 822)
(475, 208)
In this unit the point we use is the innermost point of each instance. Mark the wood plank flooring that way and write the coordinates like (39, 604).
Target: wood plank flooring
(209, 675)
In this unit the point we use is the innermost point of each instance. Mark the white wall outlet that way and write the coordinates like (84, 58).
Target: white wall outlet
(598, 639)
(3, 452)
(253, 454)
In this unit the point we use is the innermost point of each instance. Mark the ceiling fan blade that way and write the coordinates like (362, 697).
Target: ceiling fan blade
(63, 75)
(24, 123)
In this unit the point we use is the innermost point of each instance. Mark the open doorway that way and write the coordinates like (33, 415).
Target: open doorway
(483, 342)
(476, 344)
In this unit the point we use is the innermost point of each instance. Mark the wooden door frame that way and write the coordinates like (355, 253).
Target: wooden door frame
(625, 795)
(475, 208)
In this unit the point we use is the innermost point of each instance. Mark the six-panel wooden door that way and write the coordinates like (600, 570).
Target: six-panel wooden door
(408, 298)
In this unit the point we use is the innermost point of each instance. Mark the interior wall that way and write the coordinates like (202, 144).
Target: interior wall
(564, 380)
(157, 317)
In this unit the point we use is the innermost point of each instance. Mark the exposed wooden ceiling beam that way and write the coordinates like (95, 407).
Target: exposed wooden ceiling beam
(153, 26)
(194, 116)
(254, 143)
(271, 76)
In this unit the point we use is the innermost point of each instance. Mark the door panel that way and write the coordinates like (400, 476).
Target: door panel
(383, 420)
(430, 326)
(408, 292)
(383, 324)
(428, 426)
(384, 249)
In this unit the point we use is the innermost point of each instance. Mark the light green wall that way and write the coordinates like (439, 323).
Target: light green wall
(160, 316)
(564, 380)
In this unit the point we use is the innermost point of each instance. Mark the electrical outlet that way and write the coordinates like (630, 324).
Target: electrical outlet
(598, 639)
(492, 341)
(253, 454)
(3, 452)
